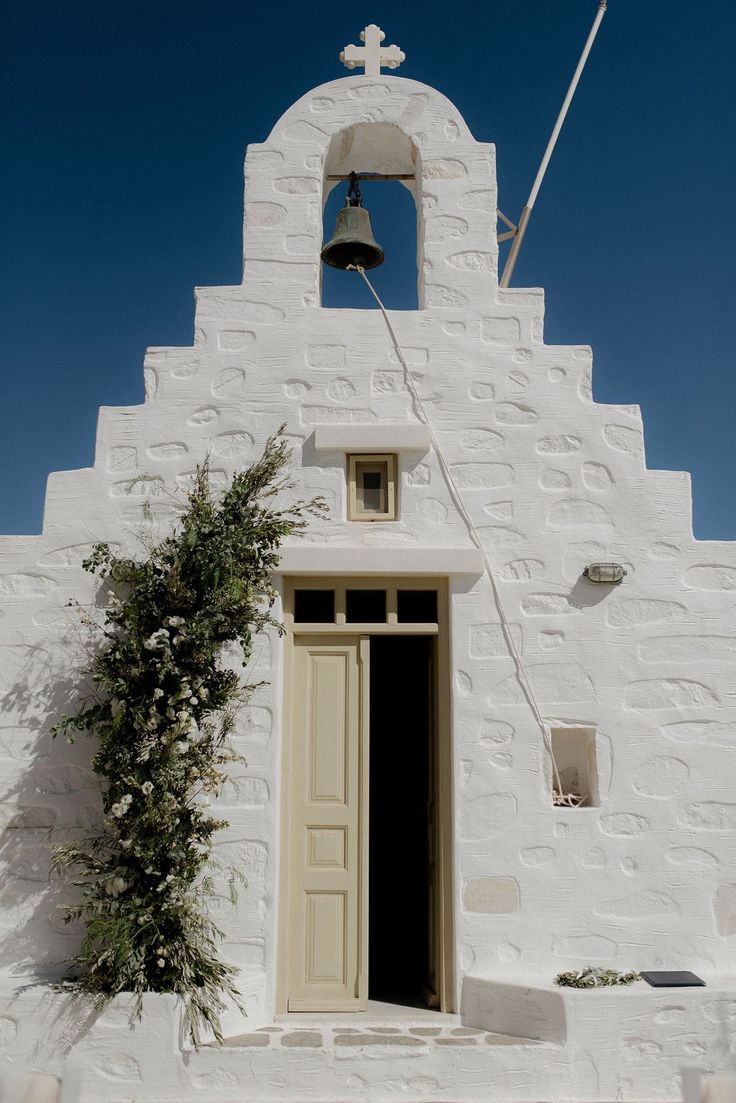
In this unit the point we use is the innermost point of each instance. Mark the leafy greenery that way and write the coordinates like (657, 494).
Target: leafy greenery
(593, 977)
(162, 708)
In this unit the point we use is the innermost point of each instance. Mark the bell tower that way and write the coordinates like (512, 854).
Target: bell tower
(380, 127)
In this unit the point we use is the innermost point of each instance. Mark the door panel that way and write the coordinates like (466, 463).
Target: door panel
(325, 957)
(327, 730)
(328, 847)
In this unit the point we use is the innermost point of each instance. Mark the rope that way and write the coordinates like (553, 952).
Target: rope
(419, 410)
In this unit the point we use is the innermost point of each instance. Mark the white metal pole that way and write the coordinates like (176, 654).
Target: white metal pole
(526, 213)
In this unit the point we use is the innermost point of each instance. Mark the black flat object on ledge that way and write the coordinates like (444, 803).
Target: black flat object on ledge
(682, 979)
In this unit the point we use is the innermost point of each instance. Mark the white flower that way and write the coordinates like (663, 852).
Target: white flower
(121, 806)
(157, 693)
(181, 746)
(147, 787)
(193, 701)
(116, 886)
(185, 692)
(175, 622)
(160, 962)
(204, 693)
(157, 640)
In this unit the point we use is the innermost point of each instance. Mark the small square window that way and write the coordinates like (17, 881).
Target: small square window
(416, 606)
(365, 606)
(315, 606)
(372, 488)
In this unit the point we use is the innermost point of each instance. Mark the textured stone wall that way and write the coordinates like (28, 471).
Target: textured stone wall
(552, 481)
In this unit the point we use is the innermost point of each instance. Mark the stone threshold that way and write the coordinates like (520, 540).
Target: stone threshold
(414, 1036)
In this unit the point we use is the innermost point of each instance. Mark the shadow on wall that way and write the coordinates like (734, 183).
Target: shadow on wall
(332, 487)
(586, 594)
(51, 796)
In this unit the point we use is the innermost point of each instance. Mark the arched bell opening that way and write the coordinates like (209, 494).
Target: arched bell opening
(384, 152)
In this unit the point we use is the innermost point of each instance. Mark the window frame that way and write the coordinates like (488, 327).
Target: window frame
(390, 460)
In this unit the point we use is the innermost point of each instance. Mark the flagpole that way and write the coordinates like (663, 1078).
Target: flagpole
(526, 213)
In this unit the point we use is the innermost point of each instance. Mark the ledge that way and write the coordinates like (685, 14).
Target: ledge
(324, 559)
(518, 1010)
(372, 438)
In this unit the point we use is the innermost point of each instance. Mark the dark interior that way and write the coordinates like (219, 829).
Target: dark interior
(400, 740)
(365, 606)
(315, 606)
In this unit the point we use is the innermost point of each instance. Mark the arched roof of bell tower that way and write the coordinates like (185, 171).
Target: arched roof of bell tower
(419, 110)
(387, 125)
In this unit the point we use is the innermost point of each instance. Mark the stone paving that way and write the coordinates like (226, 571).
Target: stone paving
(406, 1036)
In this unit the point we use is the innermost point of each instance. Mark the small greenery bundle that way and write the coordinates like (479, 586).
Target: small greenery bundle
(162, 708)
(593, 977)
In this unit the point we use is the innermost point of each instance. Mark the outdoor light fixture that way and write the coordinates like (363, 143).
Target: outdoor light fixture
(612, 573)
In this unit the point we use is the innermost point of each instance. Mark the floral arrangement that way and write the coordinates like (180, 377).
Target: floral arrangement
(162, 707)
(594, 977)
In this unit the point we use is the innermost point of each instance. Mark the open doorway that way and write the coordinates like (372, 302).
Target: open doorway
(366, 874)
(402, 954)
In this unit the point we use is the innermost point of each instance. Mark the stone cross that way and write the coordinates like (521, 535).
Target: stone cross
(373, 56)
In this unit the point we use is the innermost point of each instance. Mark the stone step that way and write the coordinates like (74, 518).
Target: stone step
(406, 1036)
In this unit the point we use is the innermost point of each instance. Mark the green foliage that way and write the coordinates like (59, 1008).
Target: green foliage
(162, 708)
(593, 977)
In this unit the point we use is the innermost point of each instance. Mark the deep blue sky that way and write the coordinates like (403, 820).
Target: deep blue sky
(123, 126)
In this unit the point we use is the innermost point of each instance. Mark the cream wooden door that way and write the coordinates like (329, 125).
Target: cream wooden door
(328, 859)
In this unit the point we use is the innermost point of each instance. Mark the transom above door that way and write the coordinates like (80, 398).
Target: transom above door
(363, 604)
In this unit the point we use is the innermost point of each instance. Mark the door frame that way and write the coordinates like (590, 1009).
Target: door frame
(443, 748)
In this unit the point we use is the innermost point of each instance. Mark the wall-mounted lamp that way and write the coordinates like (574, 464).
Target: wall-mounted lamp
(612, 573)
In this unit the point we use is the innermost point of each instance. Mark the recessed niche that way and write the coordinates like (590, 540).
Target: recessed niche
(574, 752)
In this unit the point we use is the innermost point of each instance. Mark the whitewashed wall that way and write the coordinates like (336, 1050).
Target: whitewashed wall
(552, 480)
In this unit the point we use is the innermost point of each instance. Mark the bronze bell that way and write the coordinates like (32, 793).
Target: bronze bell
(353, 241)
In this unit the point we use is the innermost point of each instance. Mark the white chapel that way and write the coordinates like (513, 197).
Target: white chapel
(497, 739)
